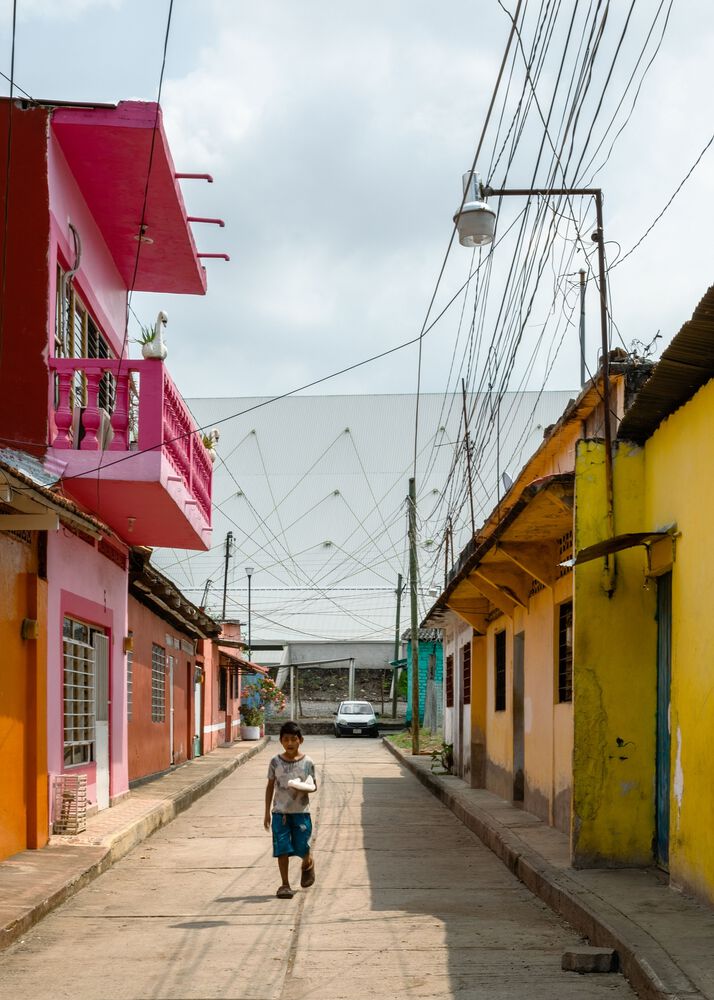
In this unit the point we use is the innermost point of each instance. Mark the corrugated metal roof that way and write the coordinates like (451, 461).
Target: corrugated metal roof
(685, 366)
(313, 489)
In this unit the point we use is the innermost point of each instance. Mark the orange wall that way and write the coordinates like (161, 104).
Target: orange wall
(23, 714)
(149, 750)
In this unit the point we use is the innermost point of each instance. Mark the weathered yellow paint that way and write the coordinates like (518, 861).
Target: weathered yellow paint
(538, 705)
(499, 766)
(479, 666)
(614, 673)
(679, 486)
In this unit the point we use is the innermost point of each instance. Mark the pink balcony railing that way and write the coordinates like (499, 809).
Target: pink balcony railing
(130, 406)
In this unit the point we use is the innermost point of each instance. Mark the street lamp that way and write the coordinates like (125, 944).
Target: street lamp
(249, 574)
(475, 222)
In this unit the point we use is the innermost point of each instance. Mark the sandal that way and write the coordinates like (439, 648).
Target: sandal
(285, 892)
(307, 876)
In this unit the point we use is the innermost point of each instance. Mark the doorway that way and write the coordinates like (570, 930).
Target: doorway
(664, 736)
(519, 648)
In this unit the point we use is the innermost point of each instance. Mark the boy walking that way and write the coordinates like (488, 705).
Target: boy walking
(290, 822)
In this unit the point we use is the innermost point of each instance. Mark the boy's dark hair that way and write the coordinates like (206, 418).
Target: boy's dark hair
(290, 729)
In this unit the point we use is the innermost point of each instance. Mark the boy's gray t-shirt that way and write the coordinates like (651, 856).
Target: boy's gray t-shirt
(288, 800)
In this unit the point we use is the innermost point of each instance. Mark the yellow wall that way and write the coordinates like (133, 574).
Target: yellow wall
(614, 673)
(679, 478)
(479, 681)
(499, 764)
(538, 703)
(23, 783)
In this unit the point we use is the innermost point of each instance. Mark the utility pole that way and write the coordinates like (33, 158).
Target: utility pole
(209, 584)
(413, 570)
(229, 544)
(468, 458)
(395, 672)
(582, 328)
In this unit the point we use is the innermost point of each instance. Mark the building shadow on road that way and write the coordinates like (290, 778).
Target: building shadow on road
(448, 918)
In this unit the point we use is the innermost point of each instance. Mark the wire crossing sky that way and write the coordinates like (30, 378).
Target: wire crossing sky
(337, 135)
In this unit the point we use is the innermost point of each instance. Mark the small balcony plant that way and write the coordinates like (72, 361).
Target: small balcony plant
(151, 338)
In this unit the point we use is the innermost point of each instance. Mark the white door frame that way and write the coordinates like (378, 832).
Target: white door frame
(100, 643)
(172, 670)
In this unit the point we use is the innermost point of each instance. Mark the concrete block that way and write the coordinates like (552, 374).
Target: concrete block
(587, 959)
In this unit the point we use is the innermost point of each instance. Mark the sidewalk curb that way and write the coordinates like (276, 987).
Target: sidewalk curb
(644, 962)
(103, 856)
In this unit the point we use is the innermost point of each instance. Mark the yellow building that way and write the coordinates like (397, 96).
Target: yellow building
(507, 615)
(643, 676)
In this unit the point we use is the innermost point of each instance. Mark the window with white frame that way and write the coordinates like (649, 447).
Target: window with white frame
(79, 702)
(158, 683)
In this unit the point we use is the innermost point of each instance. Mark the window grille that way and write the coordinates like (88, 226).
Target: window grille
(449, 681)
(129, 683)
(79, 336)
(467, 673)
(500, 663)
(79, 706)
(565, 551)
(565, 652)
(158, 683)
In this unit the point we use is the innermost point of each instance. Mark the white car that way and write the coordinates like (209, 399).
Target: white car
(356, 718)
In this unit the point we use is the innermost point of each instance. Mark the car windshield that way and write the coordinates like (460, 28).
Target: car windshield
(356, 708)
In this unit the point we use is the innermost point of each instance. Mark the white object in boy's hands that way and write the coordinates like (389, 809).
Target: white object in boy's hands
(308, 785)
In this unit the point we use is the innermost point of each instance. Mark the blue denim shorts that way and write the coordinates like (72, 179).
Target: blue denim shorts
(291, 834)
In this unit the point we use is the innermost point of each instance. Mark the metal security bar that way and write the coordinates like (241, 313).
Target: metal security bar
(78, 702)
(158, 683)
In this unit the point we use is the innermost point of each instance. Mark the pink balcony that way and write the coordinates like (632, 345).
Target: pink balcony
(133, 454)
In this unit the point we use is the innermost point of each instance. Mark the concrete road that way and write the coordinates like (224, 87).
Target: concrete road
(407, 903)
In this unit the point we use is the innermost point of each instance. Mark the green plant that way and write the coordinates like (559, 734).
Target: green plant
(147, 335)
(257, 697)
(252, 715)
(443, 755)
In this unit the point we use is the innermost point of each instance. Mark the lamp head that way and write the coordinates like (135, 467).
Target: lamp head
(476, 221)
(249, 571)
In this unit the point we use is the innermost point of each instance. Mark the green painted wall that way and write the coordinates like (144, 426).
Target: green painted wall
(426, 649)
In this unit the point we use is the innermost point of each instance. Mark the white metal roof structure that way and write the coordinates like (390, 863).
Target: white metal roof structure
(314, 490)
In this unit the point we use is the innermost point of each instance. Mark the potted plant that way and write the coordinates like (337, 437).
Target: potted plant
(258, 698)
(151, 339)
(209, 442)
(251, 720)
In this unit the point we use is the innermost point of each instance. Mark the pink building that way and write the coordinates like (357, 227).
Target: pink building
(226, 671)
(94, 209)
